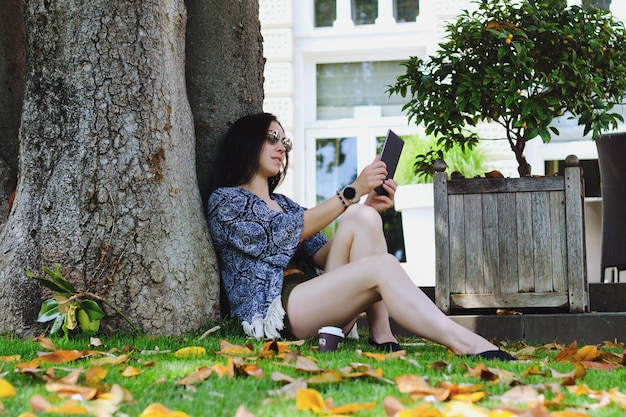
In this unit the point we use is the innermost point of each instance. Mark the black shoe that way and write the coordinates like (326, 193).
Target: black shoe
(388, 347)
(493, 354)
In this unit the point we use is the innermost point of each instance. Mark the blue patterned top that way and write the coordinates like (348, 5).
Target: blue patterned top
(254, 244)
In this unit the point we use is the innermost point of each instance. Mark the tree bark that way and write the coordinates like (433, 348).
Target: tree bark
(12, 57)
(107, 186)
(224, 73)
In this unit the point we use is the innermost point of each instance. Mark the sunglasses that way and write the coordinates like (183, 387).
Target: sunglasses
(273, 137)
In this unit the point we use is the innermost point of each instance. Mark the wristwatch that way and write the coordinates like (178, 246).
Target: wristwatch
(349, 194)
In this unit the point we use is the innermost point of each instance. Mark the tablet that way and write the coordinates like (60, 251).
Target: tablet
(390, 155)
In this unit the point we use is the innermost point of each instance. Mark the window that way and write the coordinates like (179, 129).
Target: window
(406, 10)
(343, 87)
(364, 12)
(335, 167)
(325, 12)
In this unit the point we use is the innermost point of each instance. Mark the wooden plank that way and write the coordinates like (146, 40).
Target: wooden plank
(491, 259)
(442, 241)
(507, 282)
(558, 244)
(525, 243)
(519, 300)
(457, 244)
(576, 255)
(474, 248)
(504, 185)
(542, 253)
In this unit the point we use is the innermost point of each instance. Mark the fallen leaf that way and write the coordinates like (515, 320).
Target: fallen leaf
(11, 358)
(306, 364)
(190, 351)
(242, 412)
(325, 377)
(39, 403)
(110, 360)
(290, 390)
(522, 394)
(60, 356)
(6, 389)
(68, 390)
(131, 371)
(94, 375)
(566, 353)
(308, 399)
(196, 376)
(45, 342)
(227, 348)
(280, 377)
(159, 410)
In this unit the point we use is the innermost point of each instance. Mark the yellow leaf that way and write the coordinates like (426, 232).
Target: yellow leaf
(130, 371)
(94, 375)
(27, 414)
(309, 399)
(501, 413)
(12, 358)
(326, 377)
(586, 353)
(190, 351)
(568, 414)
(6, 389)
(227, 348)
(109, 360)
(159, 410)
(352, 408)
(69, 408)
(463, 409)
(471, 398)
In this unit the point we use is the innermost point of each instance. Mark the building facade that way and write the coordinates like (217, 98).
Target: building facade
(329, 63)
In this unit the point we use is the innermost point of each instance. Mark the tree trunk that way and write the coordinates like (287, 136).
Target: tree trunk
(12, 55)
(224, 72)
(107, 185)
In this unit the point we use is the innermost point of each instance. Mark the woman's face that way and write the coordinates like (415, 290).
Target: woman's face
(274, 151)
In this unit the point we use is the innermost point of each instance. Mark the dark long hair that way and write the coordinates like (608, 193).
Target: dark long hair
(238, 155)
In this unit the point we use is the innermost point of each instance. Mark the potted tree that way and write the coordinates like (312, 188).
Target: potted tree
(520, 64)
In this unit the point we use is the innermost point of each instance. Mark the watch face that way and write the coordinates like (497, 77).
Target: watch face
(349, 193)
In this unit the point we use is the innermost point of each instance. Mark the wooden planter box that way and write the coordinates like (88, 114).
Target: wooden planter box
(510, 242)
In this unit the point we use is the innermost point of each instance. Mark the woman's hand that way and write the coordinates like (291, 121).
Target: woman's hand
(370, 177)
(382, 202)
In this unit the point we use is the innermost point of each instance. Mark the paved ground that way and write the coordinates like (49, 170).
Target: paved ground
(605, 321)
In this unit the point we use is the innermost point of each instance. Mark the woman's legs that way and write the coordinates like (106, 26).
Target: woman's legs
(336, 297)
(360, 235)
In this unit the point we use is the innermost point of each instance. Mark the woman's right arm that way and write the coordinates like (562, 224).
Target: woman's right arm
(320, 216)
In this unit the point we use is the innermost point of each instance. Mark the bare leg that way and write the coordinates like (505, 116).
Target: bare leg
(336, 297)
(360, 235)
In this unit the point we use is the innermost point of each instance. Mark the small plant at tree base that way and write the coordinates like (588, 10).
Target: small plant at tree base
(70, 308)
(520, 64)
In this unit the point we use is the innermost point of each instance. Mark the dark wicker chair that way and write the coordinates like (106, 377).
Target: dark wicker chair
(611, 158)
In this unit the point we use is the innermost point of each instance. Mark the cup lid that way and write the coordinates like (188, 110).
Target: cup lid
(332, 330)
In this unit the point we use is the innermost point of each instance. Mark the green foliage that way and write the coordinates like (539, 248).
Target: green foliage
(412, 170)
(519, 64)
(69, 308)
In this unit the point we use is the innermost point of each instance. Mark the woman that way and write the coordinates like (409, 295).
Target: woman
(271, 252)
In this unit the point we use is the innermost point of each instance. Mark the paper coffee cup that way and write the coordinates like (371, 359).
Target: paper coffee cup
(330, 338)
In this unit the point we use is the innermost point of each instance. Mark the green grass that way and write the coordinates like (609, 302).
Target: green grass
(217, 396)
